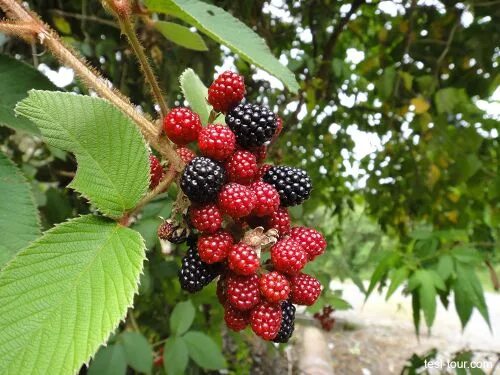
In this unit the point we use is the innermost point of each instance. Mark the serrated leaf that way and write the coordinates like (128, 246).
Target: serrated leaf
(138, 351)
(62, 296)
(423, 282)
(196, 94)
(175, 356)
(113, 162)
(380, 271)
(182, 317)
(17, 79)
(225, 29)
(181, 35)
(109, 360)
(19, 223)
(445, 266)
(204, 351)
(467, 255)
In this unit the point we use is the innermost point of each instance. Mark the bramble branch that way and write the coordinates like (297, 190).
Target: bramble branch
(93, 80)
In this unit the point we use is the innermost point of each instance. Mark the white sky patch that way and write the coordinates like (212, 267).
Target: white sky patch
(305, 35)
(491, 106)
(391, 8)
(274, 82)
(354, 56)
(278, 9)
(61, 78)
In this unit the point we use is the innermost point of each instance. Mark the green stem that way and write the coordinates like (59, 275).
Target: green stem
(127, 28)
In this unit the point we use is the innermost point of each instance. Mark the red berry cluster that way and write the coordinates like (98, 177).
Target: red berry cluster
(246, 216)
(326, 318)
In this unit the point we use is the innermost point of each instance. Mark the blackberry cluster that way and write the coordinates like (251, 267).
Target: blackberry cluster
(194, 274)
(293, 184)
(234, 198)
(252, 124)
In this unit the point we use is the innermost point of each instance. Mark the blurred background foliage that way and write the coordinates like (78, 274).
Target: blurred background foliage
(396, 121)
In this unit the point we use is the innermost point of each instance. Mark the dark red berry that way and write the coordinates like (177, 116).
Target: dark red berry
(206, 218)
(279, 220)
(274, 287)
(242, 292)
(236, 200)
(243, 259)
(214, 247)
(226, 91)
(216, 142)
(267, 199)
(156, 171)
(305, 289)
(182, 125)
(288, 256)
(265, 320)
(236, 320)
(311, 240)
(186, 154)
(241, 167)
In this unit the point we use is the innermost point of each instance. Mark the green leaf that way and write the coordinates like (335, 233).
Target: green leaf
(112, 157)
(467, 255)
(445, 267)
(469, 287)
(415, 305)
(19, 222)
(182, 317)
(204, 351)
(423, 282)
(181, 35)
(175, 356)
(62, 296)
(196, 93)
(17, 79)
(385, 84)
(451, 99)
(225, 29)
(380, 271)
(109, 360)
(138, 351)
(397, 278)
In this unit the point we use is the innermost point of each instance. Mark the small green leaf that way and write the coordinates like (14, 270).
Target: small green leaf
(138, 351)
(19, 223)
(385, 84)
(451, 100)
(424, 283)
(109, 360)
(225, 29)
(63, 295)
(204, 351)
(113, 162)
(415, 304)
(17, 79)
(181, 35)
(445, 266)
(467, 255)
(381, 270)
(397, 278)
(196, 93)
(175, 356)
(182, 317)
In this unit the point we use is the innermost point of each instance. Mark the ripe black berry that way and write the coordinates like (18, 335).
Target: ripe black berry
(194, 274)
(293, 184)
(287, 322)
(252, 124)
(202, 179)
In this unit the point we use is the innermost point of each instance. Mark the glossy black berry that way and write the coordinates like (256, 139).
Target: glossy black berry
(202, 179)
(293, 184)
(252, 124)
(287, 322)
(194, 274)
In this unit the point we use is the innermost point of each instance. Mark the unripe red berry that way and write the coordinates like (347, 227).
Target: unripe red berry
(236, 200)
(226, 91)
(279, 220)
(216, 142)
(243, 259)
(182, 125)
(274, 287)
(214, 247)
(206, 218)
(186, 154)
(311, 240)
(236, 320)
(265, 320)
(242, 292)
(305, 289)
(156, 171)
(241, 167)
(268, 199)
(288, 256)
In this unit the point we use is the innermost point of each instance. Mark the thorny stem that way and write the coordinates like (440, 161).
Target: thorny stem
(127, 28)
(48, 38)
